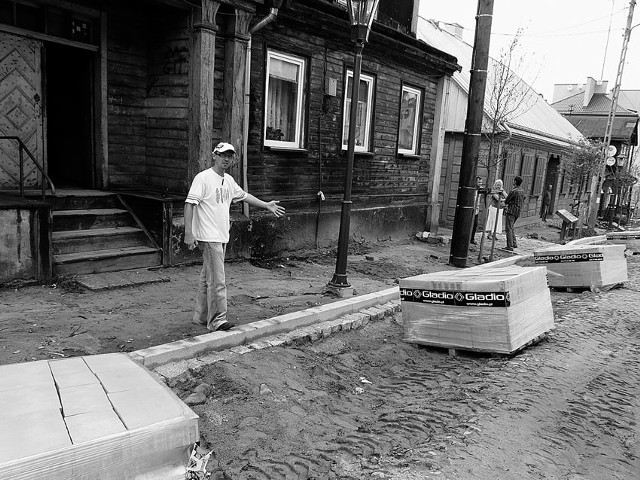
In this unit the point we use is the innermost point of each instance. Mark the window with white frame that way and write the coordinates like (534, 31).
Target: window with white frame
(409, 126)
(364, 112)
(284, 101)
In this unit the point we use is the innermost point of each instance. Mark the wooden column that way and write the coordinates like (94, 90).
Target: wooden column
(100, 104)
(201, 66)
(437, 151)
(235, 62)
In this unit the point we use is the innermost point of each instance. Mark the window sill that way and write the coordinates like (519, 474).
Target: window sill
(361, 154)
(287, 150)
(409, 155)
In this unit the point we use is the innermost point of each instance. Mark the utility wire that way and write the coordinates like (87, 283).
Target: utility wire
(606, 46)
(550, 33)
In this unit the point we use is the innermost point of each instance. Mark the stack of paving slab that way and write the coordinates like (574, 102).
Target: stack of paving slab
(631, 239)
(96, 417)
(583, 266)
(492, 310)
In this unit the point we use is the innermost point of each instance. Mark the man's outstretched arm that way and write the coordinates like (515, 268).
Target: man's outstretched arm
(272, 206)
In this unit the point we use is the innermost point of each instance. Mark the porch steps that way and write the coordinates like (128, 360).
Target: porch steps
(109, 260)
(76, 241)
(94, 232)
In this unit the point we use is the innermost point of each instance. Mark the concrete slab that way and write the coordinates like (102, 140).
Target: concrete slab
(26, 400)
(125, 278)
(126, 379)
(158, 406)
(94, 425)
(72, 372)
(83, 399)
(109, 362)
(20, 375)
(136, 432)
(31, 434)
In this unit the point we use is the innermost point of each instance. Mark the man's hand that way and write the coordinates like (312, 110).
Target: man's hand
(190, 241)
(276, 209)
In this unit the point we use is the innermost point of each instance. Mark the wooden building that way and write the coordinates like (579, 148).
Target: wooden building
(120, 102)
(530, 142)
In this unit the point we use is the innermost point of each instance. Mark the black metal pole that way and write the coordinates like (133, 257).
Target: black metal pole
(473, 130)
(339, 279)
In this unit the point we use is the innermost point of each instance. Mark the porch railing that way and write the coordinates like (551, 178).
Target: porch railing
(22, 148)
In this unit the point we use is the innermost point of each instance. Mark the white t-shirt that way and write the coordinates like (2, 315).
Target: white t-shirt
(212, 195)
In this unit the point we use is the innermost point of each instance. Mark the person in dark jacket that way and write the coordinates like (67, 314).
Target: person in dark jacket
(513, 206)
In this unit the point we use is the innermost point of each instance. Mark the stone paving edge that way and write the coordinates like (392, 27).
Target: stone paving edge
(243, 335)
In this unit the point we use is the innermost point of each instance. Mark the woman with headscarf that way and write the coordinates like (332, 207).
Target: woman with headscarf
(496, 198)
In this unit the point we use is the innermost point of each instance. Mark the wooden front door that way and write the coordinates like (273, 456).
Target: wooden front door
(20, 109)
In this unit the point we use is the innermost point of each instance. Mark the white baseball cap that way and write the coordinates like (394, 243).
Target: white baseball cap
(223, 147)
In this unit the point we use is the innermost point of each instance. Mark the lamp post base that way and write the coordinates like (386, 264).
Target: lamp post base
(339, 291)
(339, 280)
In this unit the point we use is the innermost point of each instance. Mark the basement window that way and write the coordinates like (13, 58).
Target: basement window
(284, 101)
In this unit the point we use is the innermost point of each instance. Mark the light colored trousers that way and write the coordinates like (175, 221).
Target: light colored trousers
(491, 220)
(211, 302)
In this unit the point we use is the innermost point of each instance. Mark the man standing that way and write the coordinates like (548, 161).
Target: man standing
(513, 205)
(546, 201)
(206, 224)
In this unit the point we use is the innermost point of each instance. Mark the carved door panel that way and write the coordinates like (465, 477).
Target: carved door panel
(20, 109)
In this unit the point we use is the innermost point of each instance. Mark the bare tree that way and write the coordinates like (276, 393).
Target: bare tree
(584, 161)
(509, 96)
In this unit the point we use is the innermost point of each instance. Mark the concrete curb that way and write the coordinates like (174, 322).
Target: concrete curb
(245, 334)
(300, 336)
(589, 240)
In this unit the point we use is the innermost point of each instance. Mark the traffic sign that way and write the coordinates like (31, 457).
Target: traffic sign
(611, 150)
(611, 161)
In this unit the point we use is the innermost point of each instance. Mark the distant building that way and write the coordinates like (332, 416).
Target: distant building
(587, 107)
(531, 142)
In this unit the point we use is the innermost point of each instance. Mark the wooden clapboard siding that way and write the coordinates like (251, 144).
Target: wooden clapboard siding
(381, 176)
(167, 102)
(126, 91)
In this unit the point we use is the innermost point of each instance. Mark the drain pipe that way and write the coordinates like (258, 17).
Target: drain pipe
(273, 13)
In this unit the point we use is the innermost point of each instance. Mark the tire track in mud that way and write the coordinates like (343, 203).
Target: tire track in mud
(575, 400)
(566, 408)
(409, 415)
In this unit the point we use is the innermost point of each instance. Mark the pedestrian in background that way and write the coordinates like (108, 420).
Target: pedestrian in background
(481, 193)
(207, 225)
(513, 206)
(546, 202)
(494, 215)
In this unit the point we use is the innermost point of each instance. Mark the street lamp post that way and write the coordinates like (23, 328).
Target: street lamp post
(361, 14)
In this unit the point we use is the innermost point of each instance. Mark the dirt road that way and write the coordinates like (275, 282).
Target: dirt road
(364, 404)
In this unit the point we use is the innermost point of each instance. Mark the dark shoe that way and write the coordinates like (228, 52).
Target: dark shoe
(510, 249)
(225, 326)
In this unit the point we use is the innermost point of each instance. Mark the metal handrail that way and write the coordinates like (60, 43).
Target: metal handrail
(23, 148)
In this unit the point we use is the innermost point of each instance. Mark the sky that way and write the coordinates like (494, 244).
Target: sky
(563, 41)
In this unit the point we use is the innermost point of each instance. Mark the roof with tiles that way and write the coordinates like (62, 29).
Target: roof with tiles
(539, 119)
(595, 126)
(600, 104)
